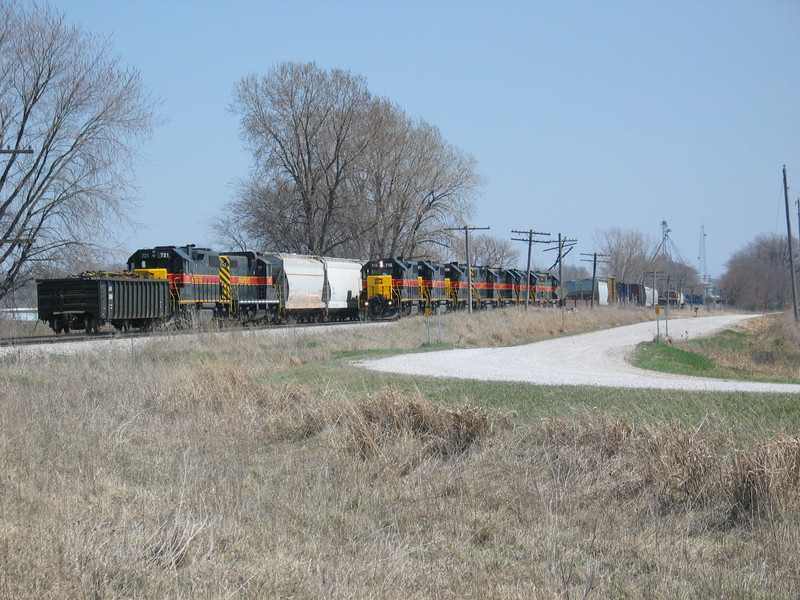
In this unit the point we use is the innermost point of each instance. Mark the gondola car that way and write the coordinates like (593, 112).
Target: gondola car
(88, 301)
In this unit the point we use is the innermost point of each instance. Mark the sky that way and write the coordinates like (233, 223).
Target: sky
(583, 116)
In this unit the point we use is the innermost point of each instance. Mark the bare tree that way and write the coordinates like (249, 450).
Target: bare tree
(573, 272)
(628, 253)
(486, 250)
(305, 128)
(757, 276)
(340, 172)
(79, 112)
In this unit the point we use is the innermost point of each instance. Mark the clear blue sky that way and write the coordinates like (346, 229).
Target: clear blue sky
(582, 116)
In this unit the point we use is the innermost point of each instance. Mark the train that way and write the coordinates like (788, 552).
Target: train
(184, 286)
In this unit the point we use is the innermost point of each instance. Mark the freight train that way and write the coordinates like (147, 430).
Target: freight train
(186, 285)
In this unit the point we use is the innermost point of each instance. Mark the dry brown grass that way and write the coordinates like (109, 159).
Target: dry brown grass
(172, 471)
(514, 326)
(769, 348)
(13, 328)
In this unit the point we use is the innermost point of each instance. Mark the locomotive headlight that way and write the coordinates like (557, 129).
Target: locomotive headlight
(366, 303)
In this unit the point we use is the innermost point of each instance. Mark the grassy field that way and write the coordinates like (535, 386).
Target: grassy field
(766, 349)
(268, 466)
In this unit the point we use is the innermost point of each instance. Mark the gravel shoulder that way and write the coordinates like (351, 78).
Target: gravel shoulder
(590, 359)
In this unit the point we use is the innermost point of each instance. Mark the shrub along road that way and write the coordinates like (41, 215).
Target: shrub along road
(590, 359)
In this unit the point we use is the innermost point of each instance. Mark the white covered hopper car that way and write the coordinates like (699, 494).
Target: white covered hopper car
(313, 288)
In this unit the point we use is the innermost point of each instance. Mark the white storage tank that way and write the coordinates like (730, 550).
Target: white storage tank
(650, 296)
(602, 293)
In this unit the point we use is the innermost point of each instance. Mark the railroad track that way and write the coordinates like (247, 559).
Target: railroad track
(104, 335)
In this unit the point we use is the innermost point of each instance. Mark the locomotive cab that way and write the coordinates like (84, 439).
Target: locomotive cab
(252, 286)
(197, 278)
(391, 288)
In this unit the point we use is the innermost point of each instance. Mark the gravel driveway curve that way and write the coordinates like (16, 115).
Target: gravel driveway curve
(589, 359)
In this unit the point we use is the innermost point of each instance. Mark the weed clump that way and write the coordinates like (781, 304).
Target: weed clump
(677, 469)
(766, 480)
(383, 418)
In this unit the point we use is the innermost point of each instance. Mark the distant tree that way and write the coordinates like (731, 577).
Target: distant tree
(678, 276)
(64, 97)
(757, 276)
(573, 272)
(628, 251)
(486, 250)
(633, 257)
(339, 172)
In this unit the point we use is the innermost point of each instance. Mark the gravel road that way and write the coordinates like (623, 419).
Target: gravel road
(590, 359)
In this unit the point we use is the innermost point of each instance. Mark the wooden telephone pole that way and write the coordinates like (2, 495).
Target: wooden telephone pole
(530, 233)
(563, 244)
(594, 262)
(466, 229)
(791, 244)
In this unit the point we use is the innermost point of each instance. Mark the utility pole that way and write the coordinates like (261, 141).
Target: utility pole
(791, 246)
(466, 229)
(797, 202)
(562, 244)
(594, 262)
(530, 233)
(656, 276)
(798, 215)
(666, 312)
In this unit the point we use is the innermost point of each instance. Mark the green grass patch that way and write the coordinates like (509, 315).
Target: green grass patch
(656, 356)
(726, 340)
(382, 352)
(693, 357)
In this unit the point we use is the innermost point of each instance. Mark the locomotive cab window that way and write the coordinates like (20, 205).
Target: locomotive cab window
(376, 270)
